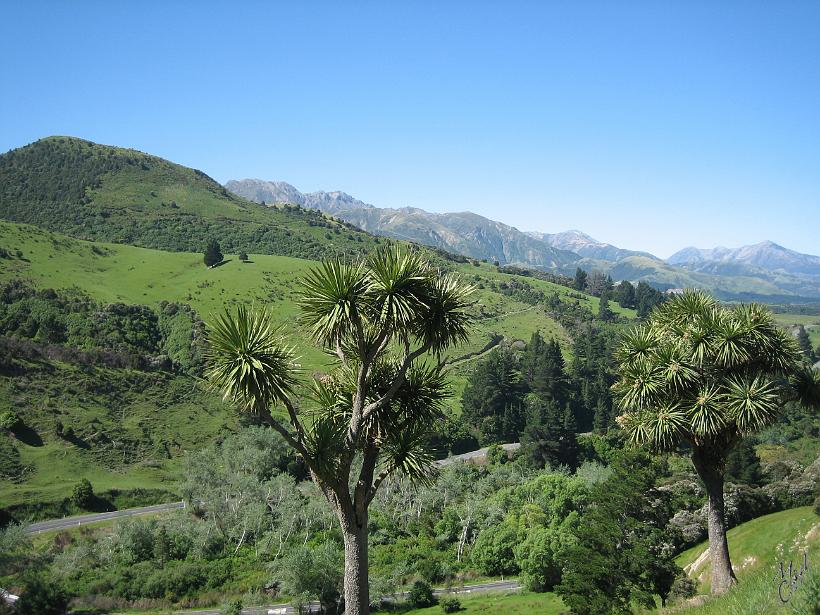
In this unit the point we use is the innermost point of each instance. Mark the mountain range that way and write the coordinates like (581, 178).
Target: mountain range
(105, 193)
(764, 271)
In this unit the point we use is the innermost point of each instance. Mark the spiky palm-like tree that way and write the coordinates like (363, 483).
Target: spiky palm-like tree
(705, 375)
(379, 319)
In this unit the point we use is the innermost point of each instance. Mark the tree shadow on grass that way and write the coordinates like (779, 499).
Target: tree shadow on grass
(220, 263)
(27, 435)
(76, 441)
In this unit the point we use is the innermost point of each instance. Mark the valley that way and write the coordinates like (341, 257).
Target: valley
(106, 307)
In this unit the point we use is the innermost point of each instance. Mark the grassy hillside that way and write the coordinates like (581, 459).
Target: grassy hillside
(129, 428)
(120, 195)
(133, 427)
(114, 272)
(757, 547)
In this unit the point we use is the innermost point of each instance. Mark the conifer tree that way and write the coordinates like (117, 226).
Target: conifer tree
(213, 254)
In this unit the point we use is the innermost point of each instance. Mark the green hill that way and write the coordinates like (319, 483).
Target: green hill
(112, 194)
(507, 306)
(132, 426)
(757, 548)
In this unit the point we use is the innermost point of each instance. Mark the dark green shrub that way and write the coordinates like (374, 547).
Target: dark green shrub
(684, 587)
(83, 495)
(421, 595)
(42, 597)
(213, 254)
(450, 605)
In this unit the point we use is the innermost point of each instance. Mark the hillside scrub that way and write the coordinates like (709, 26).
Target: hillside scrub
(115, 334)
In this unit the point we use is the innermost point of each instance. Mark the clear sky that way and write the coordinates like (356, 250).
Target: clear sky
(652, 125)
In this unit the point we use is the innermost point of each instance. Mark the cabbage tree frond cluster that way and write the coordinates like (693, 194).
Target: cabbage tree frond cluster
(393, 296)
(696, 370)
(249, 361)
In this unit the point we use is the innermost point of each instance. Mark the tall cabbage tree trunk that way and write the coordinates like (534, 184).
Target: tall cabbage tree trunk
(356, 582)
(710, 465)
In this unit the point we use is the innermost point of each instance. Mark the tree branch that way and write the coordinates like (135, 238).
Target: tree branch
(364, 486)
(397, 383)
(298, 445)
(379, 480)
(356, 417)
(294, 418)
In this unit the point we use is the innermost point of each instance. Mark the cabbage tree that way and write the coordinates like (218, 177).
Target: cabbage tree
(703, 375)
(371, 416)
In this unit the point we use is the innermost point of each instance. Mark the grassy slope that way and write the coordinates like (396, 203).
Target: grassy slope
(131, 427)
(115, 272)
(811, 323)
(121, 273)
(756, 548)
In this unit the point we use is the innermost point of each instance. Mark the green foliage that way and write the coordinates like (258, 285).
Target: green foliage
(604, 313)
(646, 299)
(492, 552)
(243, 256)
(546, 442)
(804, 342)
(15, 548)
(310, 573)
(537, 558)
(535, 399)
(42, 596)
(83, 494)
(743, 464)
(580, 282)
(213, 254)
(624, 294)
(114, 334)
(421, 595)
(8, 420)
(623, 530)
(242, 486)
(234, 607)
(450, 605)
(703, 373)
(683, 587)
(493, 400)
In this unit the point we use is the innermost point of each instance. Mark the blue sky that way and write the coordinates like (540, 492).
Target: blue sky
(652, 125)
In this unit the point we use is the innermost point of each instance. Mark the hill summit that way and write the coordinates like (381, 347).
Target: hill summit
(105, 193)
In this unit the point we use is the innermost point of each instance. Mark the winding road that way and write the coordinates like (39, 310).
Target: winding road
(68, 522)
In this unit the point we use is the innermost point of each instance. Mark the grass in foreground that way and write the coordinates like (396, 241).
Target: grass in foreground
(509, 603)
(757, 548)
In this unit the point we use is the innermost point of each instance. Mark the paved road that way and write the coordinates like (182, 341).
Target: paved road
(67, 522)
(282, 609)
(480, 454)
